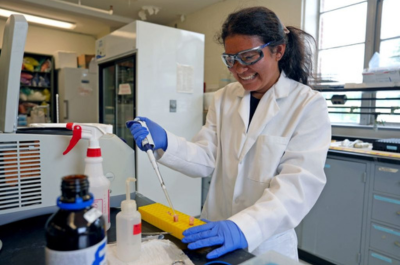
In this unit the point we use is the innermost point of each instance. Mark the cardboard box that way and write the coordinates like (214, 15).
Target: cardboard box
(84, 60)
(65, 59)
(381, 75)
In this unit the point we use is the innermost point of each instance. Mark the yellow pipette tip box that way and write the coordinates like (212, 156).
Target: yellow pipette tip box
(162, 217)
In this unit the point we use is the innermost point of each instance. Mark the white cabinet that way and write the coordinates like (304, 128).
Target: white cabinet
(384, 221)
(333, 228)
(357, 218)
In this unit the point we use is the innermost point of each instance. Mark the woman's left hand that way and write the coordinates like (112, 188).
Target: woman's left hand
(225, 233)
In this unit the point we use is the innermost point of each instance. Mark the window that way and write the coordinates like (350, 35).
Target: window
(349, 33)
(390, 31)
(340, 113)
(390, 101)
(342, 29)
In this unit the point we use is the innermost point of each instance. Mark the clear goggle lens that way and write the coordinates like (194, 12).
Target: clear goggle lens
(247, 57)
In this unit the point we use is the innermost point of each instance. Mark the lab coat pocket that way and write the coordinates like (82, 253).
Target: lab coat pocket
(268, 152)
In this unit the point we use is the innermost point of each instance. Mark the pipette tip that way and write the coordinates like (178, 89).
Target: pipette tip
(176, 218)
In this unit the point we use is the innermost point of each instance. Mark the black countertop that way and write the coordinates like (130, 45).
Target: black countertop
(24, 241)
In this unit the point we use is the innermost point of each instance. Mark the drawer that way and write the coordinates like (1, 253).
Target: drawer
(385, 239)
(386, 209)
(387, 179)
(375, 258)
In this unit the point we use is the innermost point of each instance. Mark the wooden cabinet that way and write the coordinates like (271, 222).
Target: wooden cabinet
(37, 93)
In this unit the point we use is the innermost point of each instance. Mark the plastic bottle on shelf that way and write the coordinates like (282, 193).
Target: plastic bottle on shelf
(129, 229)
(99, 184)
(77, 231)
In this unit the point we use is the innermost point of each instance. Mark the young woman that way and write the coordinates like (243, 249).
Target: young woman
(264, 142)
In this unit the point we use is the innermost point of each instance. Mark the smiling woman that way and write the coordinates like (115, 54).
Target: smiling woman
(279, 48)
(263, 72)
(264, 142)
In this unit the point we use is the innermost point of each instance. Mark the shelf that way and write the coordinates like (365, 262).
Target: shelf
(47, 74)
(356, 89)
(34, 101)
(366, 113)
(34, 72)
(35, 87)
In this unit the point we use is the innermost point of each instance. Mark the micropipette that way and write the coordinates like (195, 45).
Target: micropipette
(148, 145)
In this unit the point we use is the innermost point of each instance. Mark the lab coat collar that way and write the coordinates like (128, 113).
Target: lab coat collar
(282, 87)
(266, 110)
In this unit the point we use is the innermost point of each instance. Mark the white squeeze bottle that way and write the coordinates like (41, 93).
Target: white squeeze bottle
(99, 185)
(129, 229)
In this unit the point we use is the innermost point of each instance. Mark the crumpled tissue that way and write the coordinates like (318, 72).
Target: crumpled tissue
(153, 252)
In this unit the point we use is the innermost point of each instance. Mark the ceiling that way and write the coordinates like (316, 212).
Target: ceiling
(93, 17)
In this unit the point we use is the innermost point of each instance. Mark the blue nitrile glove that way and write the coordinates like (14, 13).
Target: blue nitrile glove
(225, 233)
(139, 133)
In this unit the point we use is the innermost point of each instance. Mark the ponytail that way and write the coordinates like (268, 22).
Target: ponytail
(297, 60)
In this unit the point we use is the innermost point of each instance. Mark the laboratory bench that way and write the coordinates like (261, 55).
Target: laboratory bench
(24, 241)
(356, 220)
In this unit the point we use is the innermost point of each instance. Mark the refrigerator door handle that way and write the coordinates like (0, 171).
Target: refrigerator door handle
(66, 109)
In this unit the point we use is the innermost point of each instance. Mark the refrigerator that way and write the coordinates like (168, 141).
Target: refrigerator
(154, 71)
(78, 95)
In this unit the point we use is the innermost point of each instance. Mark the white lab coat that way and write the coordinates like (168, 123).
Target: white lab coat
(265, 177)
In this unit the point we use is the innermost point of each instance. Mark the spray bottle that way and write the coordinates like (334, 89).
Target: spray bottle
(129, 229)
(99, 184)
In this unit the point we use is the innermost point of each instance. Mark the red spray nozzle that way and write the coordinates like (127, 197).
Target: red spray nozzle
(76, 136)
(91, 132)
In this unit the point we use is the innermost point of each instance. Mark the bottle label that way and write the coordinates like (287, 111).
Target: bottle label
(137, 229)
(102, 203)
(92, 215)
(94, 255)
(98, 204)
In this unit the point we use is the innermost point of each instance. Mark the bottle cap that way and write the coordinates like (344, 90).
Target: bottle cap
(128, 206)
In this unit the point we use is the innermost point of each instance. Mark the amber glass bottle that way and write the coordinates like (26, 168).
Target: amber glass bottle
(76, 233)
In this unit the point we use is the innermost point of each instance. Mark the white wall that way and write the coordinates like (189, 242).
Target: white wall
(48, 40)
(209, 21)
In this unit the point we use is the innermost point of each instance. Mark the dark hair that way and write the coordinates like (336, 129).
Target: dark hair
(264, 23)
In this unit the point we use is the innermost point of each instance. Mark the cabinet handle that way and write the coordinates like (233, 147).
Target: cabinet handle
(66, 109)
(397, 243)
(388, 169)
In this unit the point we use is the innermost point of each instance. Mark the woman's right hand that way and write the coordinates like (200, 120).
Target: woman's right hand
(139, 133)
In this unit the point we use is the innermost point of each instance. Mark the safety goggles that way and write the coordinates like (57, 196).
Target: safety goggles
(246, 57)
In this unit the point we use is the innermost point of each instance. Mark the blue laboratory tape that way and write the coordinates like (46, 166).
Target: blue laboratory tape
(380, 198)
(386, 259)
(327, 166)
(387, 230)
(216, 262)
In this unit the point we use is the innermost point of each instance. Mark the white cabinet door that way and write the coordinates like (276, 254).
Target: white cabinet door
(333, 228)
